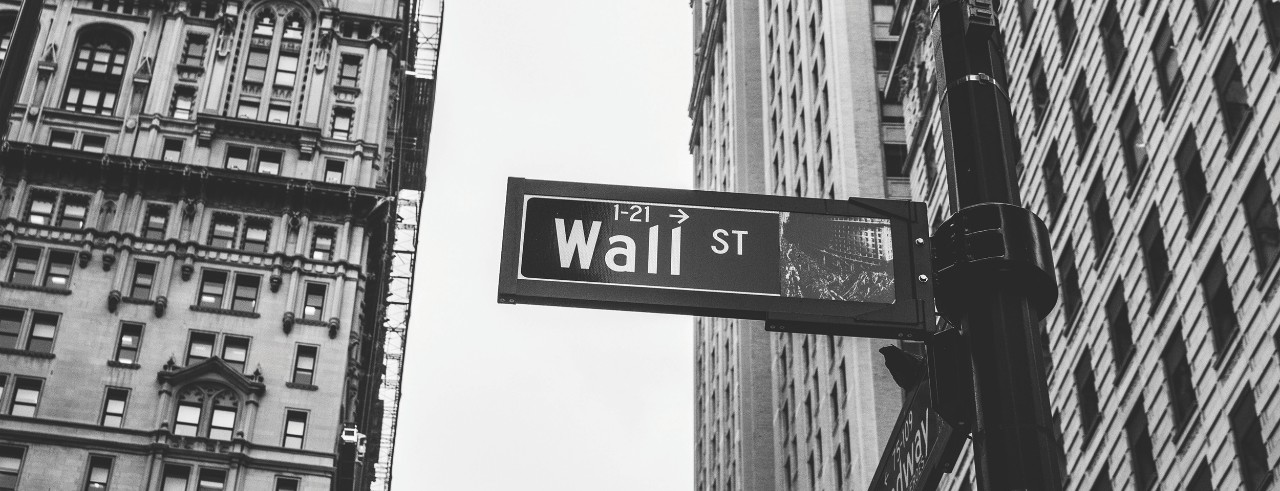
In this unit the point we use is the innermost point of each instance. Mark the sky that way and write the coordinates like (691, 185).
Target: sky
(500, 397)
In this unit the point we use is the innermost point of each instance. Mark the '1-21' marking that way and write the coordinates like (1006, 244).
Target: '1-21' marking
(635, 213)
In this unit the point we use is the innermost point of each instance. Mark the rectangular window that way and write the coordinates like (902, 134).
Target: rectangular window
(1264, 227)
(1039, 88)
(1177, 371)
(74, 211)
(89, 100)
(269, 162)
(238, 158)
(1270, 10)
(93, 143)
(10, 467)
(286, 70)
(277, 113)
(286, 484)
(144, 274)
(1140, 453)
(1154, 256)
(1082, 111)
(1202, 480)
(1103, 481)
(245, 297)
(314, 306)
(1027, 13)
(172, 150)
(1100, 216)
(222, 423)
(57, 273)
(40, 211)
(884, 54)
(1132, 143)
(1191, 174)
(129, 343)
(895, 160)
(1204, 8)
(247, 110)
(322, 244)
(1067, 28)
(1086, 394)
(222, 233)
(1112, 39)
(183, 104)
(155, 223)
(341, 124)
(62, 139)
(187, 420)
(1251, 451)
(26, 397)
(295, 427)
(235, 351)
(176, 477)
(213, 286)
(1121, 329)
(333, 170)
(257, 233)
(1233, 99)
(304, 365)
(113, 408)
(44, 327)
(1070, 280)
(99, 473)
(1165, 55)
(200, 347)
(255, 70)
(26, 264)
(193, 51)
(1054, 194)
(1217, 297)
(349, 71)
(10, 328)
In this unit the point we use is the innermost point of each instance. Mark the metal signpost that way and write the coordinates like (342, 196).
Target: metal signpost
(852, 268)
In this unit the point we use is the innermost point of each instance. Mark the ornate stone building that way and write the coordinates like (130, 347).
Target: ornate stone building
(198, 205)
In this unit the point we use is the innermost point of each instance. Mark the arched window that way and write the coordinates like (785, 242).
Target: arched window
(208, 411)
(97, 70)
(273, 66)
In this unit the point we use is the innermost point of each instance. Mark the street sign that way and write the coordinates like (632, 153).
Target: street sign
(804, 265)
(921, 448)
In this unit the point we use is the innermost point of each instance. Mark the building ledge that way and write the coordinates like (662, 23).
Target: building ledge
(293, 385)
(27, 353)
(138, 301)
(116, 364)
(35, 288)
(233, 313)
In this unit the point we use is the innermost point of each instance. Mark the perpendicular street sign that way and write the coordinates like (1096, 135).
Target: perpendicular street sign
(854, 268)
(921, 448)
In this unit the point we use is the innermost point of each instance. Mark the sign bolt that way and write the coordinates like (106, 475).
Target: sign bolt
(923, 278)
(919, 242)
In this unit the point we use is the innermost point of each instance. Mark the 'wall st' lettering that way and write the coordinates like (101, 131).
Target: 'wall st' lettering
(574, 241)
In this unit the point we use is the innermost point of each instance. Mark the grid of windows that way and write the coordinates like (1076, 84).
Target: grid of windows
(32, 331)
(244, 290)
(93, 84)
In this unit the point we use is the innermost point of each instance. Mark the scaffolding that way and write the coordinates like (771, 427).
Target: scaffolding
(411, 137)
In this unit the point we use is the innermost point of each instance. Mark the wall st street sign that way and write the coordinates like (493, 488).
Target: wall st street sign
(804, 265)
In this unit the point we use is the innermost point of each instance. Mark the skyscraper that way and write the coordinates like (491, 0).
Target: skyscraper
(202, 270)
(785, 102)
(1148, 135)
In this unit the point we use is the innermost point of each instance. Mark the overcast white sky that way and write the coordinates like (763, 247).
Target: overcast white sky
(500, 397)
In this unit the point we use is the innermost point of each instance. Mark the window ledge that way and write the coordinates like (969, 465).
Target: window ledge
(1184, 437)
(311, 322)
(27, 353)
(138, 301)
(234, 313)
(293, 385)
(1223, 360)
(1196, 217)
(36, 288)
(1234, 143)
(116, 364)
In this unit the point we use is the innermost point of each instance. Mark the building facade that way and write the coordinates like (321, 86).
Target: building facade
(197, 225)
(1148, 133)
(784, 102)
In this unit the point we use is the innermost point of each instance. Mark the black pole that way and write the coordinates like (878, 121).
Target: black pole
(26, 27)
(1014, 445)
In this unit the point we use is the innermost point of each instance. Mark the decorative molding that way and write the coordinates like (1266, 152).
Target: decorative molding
(221, 311)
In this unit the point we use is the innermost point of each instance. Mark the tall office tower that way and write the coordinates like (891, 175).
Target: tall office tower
(200, 262)
(784, 102)
(1149, 145)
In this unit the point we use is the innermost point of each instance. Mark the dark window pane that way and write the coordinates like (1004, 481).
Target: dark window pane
(1140, 452)
(1100, 216)
(26, 263)
(1082, 111)
(1168, 69)
(1202, 480)
(1177, 371)
(1232, 96)
(1121, 330)
(1194, 188)
(212, 288)
(200, 348)
(1217, 295)
(130, 342)
(1154, 256)
(1087, 394)
(1251, 452)
(10, 328)
(1264, 228)
(1070, 281)
(246, 292)
(1112, 39)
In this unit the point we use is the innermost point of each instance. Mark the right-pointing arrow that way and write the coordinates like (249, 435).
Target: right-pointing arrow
(681, 215)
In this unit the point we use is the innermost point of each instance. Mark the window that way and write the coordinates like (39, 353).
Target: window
(238, 158)
(322, 244)
(341, 124)
(1264, 228)
(1132, 143)
(1100, 216)
(144, 274)
(74, 209)
(286, 70)
(1177, 371)
(1081, 111)
(1154, 256)
(172, 150)
(314, 305)
(286, 484)
(93, 84)
(1217, 295)
(175, 477)
(10, 467)
(255, 66)
(1086, 394)
(884, 55)
(295, 427)
(1203, 9)
(1251, 452)
(212, 480)
(200, 347)
(156, 222)
(349, 71)
(333, 171)
(1054, 194)
(245, 296)
(1165, 55)
(1103, 481)
(44, 326)
(193, 51)
(26, 263)
(1233, 99)
(895, 159)
(113, 408)
(1070, 281)
(222, 423)
(1112, 39)
(256, 234)
(1202, 480)
(10, 329)
(247, 110)
(99, 476)
(1190, 172)
(26, 397)
(304, 365)
(129, 343)
(1066, 25)
(1270, 10)
(40, 211)
(269, 162)
(93, 143)
(1121, 329)
(62, 139)
(1027, 13)
(277, 113)
(57, 273)
(235, 351)
(1140, 454)
(183, 104)
(1039, 87)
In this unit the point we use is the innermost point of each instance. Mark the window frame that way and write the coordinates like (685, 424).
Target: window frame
(107, 410)
(286, 431)
(14, 402)
(298, 370)
(170, 154)
(308, 297)
(94, 459)
(121, 347)
(84, 77)
(1262, 220)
